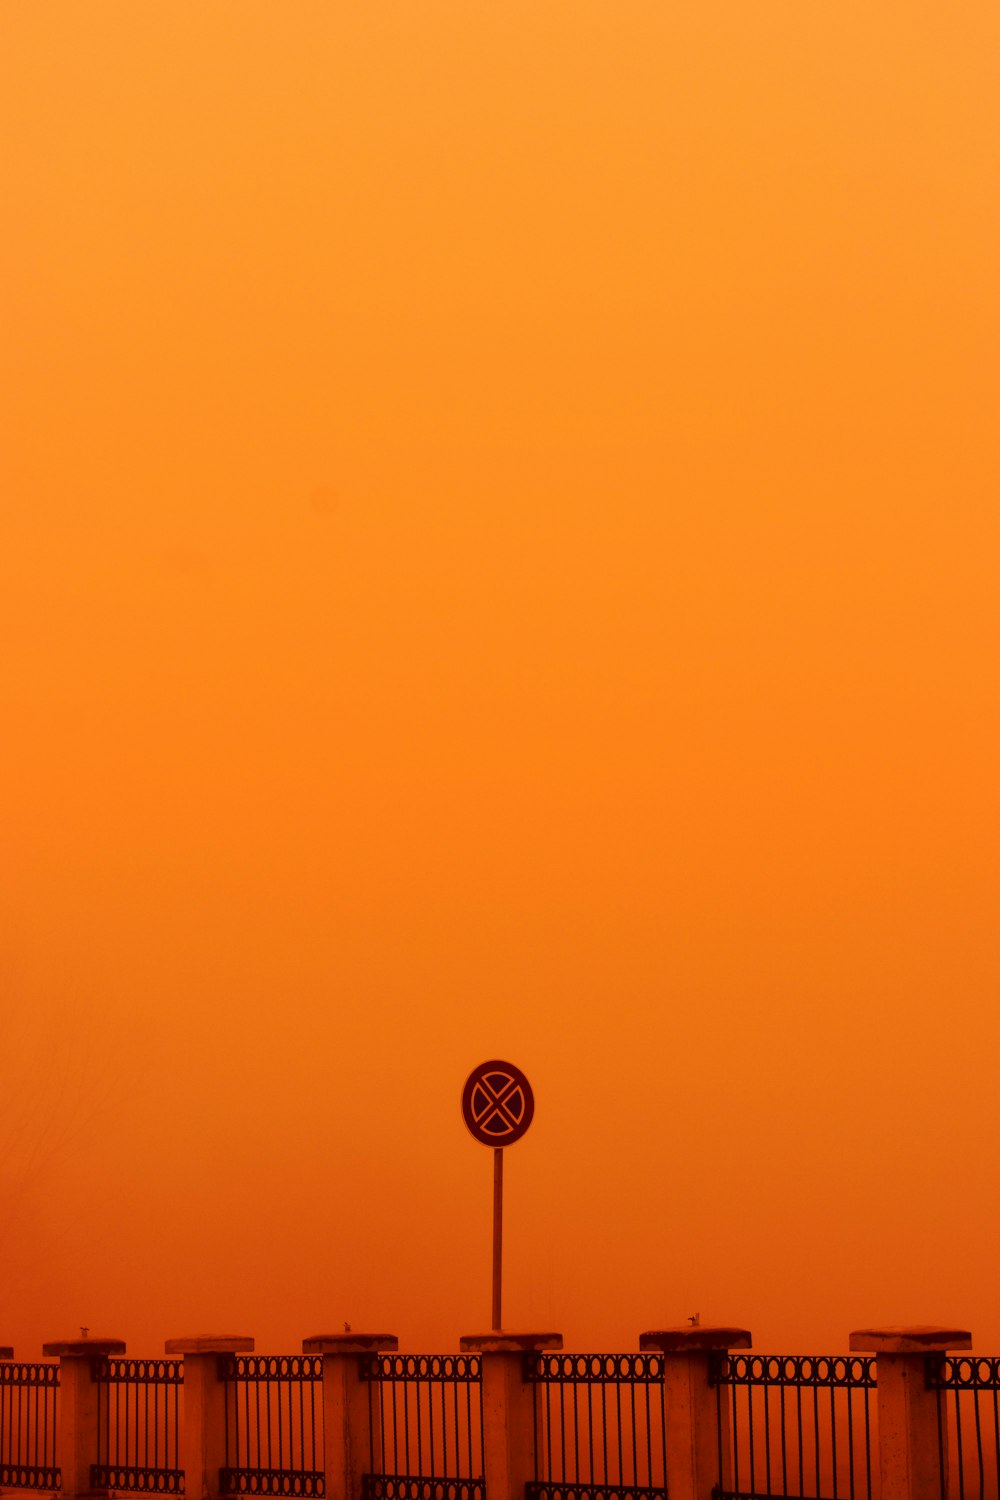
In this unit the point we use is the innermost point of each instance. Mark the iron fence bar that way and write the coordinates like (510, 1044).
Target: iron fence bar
(942, 1471)
(468, 1412)
(649, 1438)
(783, 1395)
(735, 1430)
(635, 1448)
(833, 1440)
(663, 1430)
(751, 1445)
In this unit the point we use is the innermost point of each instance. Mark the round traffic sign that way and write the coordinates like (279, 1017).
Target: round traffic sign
(497, 1103)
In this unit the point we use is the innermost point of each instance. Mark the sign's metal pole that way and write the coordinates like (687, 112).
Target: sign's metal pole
(497, 1233)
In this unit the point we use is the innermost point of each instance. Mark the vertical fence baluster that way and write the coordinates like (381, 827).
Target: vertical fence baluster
(850, 1438)
(766, 1393)
(751, 1438)
(815, 1406)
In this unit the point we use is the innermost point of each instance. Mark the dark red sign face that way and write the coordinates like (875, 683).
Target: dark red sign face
(497, 1103)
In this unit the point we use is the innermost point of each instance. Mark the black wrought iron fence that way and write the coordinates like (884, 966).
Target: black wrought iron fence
(800, 1426)
(968, 1426)
(600, 1426)
(138, 1425)
(28, 1396)
(425, 1427)
(273, 1424)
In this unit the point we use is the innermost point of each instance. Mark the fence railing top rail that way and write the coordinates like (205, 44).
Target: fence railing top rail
(592, 1369)
(138, 1371)
(256, 1367)
(29, 1372)
(847, 1370)
(964, 1373)
(452, 1368)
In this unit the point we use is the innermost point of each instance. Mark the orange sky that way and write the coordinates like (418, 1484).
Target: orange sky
(499, 556)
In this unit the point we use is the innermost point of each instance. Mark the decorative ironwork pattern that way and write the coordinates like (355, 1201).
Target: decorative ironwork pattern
(590, 1492)
(271, 1482)
(403, 1487)
(577, 1369)
(138, 1425)
(274, 1424)
(800, 1426)
(965, 1373)
(29, 1477)
(968, 1412)
(425, 1421)
(600, 1426)
(283, 1367)
(137, 1481)
(28, 1397)
(796, 1369)
(422, 1367)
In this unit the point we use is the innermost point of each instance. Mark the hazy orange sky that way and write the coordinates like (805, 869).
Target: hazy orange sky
(499, 558)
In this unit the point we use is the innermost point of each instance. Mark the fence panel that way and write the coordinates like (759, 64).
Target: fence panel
(28, 1396)
(801, 1426)
(429, 1441)
(968, 1427)
(138, 1425)
(600, 1426)
(274, 1424)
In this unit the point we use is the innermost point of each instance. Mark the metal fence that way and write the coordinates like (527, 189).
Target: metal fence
(968, 1427)
(273, 1424)
(28, 1396)
(138, 1425)
(600, 1426)
(425, 1427)
(801, 1426)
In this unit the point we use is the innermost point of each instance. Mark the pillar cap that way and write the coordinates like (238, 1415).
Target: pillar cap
(60, 1347)
(918, 1338)
(6, 1351)
(349, 1343)
(695, 1338)
(508, 1343)
(211, 1343)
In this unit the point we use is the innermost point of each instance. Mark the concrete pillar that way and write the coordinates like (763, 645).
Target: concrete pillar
(508, 1408)
(76, 1419)
(352, 1415)
(203, 1438)
(698, 1437)
(912, 1448)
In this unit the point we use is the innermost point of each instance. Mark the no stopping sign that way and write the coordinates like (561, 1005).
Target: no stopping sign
(497, 1103)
